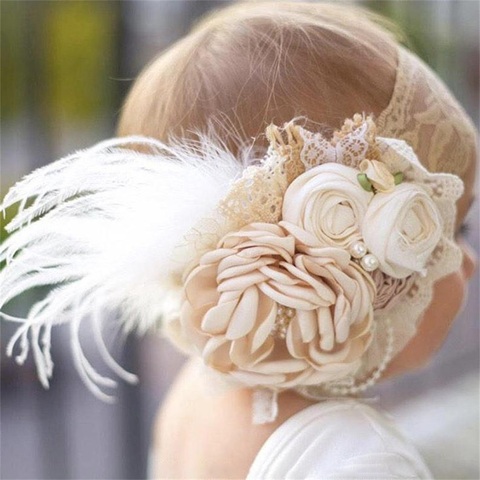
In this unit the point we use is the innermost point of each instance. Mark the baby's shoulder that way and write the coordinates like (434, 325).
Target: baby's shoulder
(338, 439)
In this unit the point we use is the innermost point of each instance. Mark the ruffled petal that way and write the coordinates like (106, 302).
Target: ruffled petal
(244, 315)
(216, 320)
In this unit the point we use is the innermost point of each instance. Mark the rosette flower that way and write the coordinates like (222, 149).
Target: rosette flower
(402, 229)
(379, 175)
(390, 291)
(329, 202)
(269, 309)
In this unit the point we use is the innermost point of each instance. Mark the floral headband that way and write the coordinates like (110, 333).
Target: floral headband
(329, 252)
(309, 269)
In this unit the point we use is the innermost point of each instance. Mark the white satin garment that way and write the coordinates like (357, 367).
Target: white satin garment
(338, 439)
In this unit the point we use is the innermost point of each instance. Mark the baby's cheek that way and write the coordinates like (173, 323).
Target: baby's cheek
(448, 298)
(447, 301)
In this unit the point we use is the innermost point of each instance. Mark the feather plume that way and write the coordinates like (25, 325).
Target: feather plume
(99, 226)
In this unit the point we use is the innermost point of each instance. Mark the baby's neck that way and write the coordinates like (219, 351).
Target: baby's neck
(200, 435)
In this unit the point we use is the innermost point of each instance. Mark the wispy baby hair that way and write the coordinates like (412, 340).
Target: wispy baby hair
(256, 63)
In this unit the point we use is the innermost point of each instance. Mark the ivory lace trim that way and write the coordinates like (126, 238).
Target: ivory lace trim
(425, 114)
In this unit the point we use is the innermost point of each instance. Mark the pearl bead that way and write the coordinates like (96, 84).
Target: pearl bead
(282, 321)
(358, 250)
(369, 262)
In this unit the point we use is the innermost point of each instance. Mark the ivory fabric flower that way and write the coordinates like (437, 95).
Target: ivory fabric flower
(328, 201)
(379, 175)
(269, 308)
(390, 290)
(402, 229)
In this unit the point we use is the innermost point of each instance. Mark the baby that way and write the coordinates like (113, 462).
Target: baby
(334, 260)
(253, 64)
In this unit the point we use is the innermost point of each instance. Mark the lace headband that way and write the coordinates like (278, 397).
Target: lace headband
(285, 274)
(423, 113)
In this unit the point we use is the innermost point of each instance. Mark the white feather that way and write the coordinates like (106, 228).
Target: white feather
(100, 227)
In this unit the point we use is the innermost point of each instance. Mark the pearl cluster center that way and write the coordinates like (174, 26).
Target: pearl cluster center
(368, 261)
(282, 321)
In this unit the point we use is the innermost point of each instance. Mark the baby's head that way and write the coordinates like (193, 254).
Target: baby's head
(253, 64)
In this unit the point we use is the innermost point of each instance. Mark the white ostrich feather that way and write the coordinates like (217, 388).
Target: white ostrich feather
(99, 226)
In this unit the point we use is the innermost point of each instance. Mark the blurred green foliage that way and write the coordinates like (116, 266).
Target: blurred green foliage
(79, 57)
(434, 46)
(13, 57)
(58, 57)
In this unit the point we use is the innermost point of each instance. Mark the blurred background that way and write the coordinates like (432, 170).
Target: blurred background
(65, 68)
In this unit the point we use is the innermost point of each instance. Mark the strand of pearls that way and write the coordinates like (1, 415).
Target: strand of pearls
(374, 377)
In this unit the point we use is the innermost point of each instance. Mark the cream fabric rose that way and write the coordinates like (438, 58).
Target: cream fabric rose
(329, 202)
(268, 309)
(402, 229)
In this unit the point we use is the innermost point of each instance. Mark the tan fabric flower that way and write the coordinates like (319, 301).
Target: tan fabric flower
(390, 290)
(329, 202)
(379, 175)
(402, 229)
(269, 308)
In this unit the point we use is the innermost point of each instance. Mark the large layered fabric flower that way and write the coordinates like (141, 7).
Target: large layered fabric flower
(268, 307)
(328, 201)
(402, 229)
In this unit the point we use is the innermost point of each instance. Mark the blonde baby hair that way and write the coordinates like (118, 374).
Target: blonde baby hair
(255, 63)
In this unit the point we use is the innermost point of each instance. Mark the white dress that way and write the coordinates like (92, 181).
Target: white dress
(337, 439)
